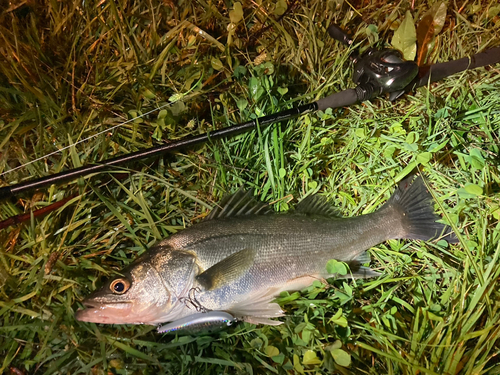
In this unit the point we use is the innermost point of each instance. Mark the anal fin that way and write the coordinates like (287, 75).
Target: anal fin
(258, 307)
(363, 273)
(265, 321)
(358, 271)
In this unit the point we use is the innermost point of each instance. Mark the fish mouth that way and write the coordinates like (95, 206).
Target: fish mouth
(107, 313)
(89, 305)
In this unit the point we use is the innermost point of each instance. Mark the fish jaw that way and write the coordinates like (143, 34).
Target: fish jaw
(121, 313)
(117, 313)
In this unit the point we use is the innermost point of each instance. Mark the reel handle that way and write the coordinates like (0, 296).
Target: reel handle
(338, 34)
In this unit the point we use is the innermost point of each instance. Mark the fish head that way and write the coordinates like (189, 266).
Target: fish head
(149, 291)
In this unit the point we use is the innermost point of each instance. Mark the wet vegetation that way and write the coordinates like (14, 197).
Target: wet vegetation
(83, 81)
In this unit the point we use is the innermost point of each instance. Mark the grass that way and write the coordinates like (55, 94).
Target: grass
(70, 71)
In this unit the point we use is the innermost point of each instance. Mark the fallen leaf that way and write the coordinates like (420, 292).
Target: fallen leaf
(405, 37)
(431, 25)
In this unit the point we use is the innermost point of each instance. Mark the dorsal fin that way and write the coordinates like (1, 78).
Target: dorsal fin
(316, 205)
(240, 203)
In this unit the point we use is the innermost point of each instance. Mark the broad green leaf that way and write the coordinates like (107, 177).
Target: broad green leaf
(255, 87)
(282, 90)
(306, 336)
(360, 133)
(338, 319)
(476, 159)
(177, 108)
(280, 358)
(266, 68)
(296, 364)
(310, 358)
(474, 8)
(281, 7)
(347, 289)
(217, 64)
(389, 151)
(473, 189)
(341, 357)
(312, 185)
(148, 93)
(410, 146)
(493, 11)
(434, 147)
(242, 104)
(412, 137)
(256, 343)
(405, 37)
(424, 158)
(175, 97)
(337, 344)
(236, 15)
(397, 128)
(442, 243)
(240, 71)
(434, 317)
(372, 33)
(333, 266)
(272, 351)
(495, 212)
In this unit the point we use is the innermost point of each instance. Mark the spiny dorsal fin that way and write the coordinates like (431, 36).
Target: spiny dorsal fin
(227, 270)
(240, 203)
(316, 205)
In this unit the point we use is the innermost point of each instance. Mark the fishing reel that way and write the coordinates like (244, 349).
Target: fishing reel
(378, 72)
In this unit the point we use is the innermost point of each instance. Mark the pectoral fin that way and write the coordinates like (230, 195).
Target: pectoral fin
(227, 270)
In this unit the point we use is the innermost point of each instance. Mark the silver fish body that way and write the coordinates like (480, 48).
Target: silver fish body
(242, 256)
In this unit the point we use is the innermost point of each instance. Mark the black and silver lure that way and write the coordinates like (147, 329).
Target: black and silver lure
(199, 323)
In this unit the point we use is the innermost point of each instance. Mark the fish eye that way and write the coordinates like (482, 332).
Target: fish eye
(119, 286)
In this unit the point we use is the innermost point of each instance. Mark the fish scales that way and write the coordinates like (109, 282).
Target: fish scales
(279, 237)
(288, 246)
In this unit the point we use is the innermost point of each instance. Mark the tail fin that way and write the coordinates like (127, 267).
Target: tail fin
(415, 205)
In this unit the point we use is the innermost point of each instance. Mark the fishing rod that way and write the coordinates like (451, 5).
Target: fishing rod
(376, 72)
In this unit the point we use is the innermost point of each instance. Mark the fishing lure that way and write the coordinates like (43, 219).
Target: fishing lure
(199, 323)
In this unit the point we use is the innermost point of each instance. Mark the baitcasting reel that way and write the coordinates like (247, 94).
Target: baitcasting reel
(378, 72)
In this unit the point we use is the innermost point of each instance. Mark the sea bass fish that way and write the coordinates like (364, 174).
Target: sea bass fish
(242, 255)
